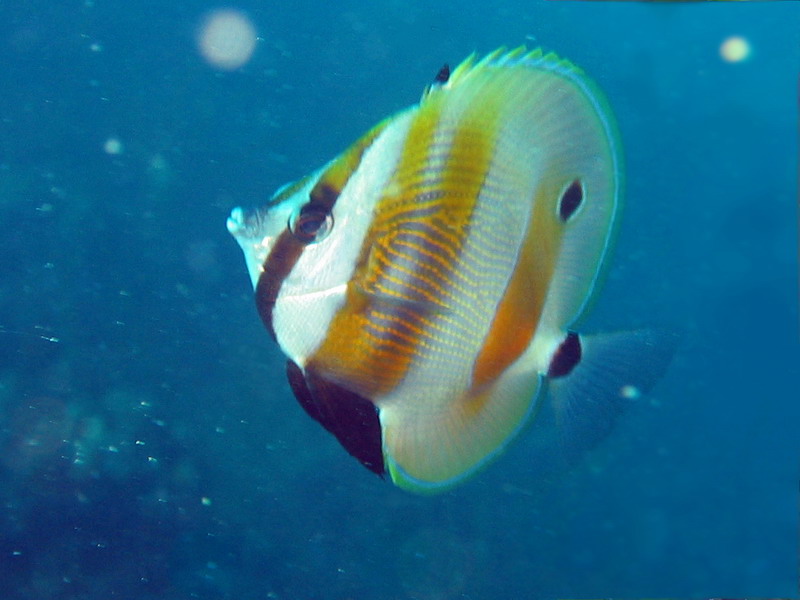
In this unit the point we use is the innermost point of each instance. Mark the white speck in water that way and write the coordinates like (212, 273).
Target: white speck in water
(630, 392)
(113, 146)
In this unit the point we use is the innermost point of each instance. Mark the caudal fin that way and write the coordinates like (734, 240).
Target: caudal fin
(614, 370)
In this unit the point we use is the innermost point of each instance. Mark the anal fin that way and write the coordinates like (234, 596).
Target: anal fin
(350, 417)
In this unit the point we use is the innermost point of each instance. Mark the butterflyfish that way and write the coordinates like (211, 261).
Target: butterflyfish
(426, 284)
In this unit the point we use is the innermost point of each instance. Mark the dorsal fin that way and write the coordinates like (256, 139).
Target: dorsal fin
(447, 77)
(443, 75)
(505, 57)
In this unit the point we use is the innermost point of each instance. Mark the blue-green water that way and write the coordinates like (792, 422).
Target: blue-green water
(149, 445)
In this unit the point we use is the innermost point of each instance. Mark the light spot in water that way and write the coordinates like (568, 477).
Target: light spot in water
(113, 146)
(735, 49)
(227, 39)
(630, 392)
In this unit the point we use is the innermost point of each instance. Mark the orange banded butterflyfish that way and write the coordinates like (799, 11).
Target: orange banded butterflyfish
(426, 283)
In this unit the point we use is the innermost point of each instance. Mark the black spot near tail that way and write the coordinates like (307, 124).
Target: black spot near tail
(566, 357)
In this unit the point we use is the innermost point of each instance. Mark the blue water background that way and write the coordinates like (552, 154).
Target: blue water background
(149, 445)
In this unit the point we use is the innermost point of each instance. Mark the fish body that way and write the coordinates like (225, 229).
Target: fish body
(426, 283)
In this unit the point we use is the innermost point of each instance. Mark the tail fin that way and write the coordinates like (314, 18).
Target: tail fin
(614, 370)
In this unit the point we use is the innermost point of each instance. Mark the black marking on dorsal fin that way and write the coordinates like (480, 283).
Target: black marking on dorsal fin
(350, 417)
(443, 75)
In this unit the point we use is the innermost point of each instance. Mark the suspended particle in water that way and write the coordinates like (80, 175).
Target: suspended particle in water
(113, 146)
(630, 392)
(735, 49)
(226, 39)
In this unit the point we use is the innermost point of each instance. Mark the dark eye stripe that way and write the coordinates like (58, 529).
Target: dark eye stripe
(287, 248)
(281, 260)
(284, 256)
(323, 196)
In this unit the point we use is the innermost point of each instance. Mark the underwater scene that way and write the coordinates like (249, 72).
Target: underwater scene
(510, 308)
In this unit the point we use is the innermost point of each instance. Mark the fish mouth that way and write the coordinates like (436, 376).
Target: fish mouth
(237, 222)
(245, 223)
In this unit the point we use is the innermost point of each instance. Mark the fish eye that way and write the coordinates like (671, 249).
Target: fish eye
(310, 224)
(571, 199)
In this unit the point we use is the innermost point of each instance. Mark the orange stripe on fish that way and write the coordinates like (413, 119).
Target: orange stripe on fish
(520, 308)
(429, 199)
